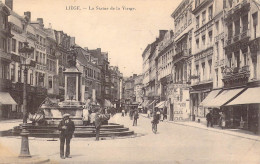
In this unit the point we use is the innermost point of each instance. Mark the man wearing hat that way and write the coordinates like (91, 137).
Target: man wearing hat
(66, 128)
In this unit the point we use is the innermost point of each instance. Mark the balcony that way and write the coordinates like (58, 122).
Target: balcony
(236, 76)
(180, 56)
(236, 72)
(238, 37)
(237, 11)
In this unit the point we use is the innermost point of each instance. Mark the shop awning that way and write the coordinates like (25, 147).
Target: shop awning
(151, 103)
(6, 99)
(210, 97)
(161, 104)
(108, 103)
(249, 96)
(223, 98)
(146, 102)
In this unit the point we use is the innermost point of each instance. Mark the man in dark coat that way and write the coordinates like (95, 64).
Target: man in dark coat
(136, 116)
(209, 119)
(66, 128)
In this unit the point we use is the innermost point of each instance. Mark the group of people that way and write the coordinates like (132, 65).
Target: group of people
(210, 119)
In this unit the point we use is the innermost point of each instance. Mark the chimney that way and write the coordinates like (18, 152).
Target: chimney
(72, 41)
(162, 33)
(86, 48)
(28, 15)
(99, 50)
(40, 21)
(9, 3)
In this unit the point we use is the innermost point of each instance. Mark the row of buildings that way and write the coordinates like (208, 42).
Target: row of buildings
(51, 49)
(211, 60)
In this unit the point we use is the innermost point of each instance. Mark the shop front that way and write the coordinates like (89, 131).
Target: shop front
(7, 105)
(243, 111)
(197, 94)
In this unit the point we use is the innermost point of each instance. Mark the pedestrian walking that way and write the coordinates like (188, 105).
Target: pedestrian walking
(136, 116)
(209, 119)
(66, 128)
(148, 113)
(222, 120)
(161, 116)
(123, 112)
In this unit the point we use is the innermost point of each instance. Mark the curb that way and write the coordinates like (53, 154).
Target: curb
(17, 160)
(211, 129)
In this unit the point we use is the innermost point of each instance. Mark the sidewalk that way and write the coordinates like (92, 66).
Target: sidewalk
(233, 132)
(9, 124)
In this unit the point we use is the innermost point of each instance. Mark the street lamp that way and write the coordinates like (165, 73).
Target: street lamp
(27, 53)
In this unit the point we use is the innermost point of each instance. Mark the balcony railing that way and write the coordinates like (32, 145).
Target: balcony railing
(237, 72)
(182, 54)
(237, 37)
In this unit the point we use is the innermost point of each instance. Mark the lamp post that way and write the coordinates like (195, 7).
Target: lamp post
(27, 52)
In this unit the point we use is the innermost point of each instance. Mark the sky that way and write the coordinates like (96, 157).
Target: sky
(124, 34)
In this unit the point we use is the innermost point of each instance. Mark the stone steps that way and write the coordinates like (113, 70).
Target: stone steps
(80, 131)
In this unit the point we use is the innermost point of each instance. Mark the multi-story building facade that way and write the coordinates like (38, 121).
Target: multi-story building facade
(5, 59)
(63, 42)
(102, 59)
(129, 85)
(146, 71)
(52, 64)
(138, 88)
(203, 52)
(178, 91)
(164, 64)
(241, 74)
(115, 78)
(91, 76)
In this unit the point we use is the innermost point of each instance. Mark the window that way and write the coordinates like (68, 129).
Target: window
(203, 40)
(19, 76)
(230, 60)
(255, 23)
(210, 36)
(210, 68)
(198, 43)
(237, 27)
(20, 45)
(210, 12)
(217, 26)
(254, 61)
(31, 78)
(3, 44)
(203, 17)
(203, 71)
(245, 22)
(216, 71)
(237, 58)
(230, 31)
(224, 4)
(197, 70)
(197, 3)
(197, 21)
(217, 51)
(50, 82)
(245, 59)
(13, 45)
(13, 73)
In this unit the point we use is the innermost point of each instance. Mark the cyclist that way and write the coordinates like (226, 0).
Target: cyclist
(155, 120)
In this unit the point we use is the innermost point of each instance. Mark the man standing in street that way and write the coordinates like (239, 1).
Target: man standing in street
(136, 116)
(209, 119)
(66, 128)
